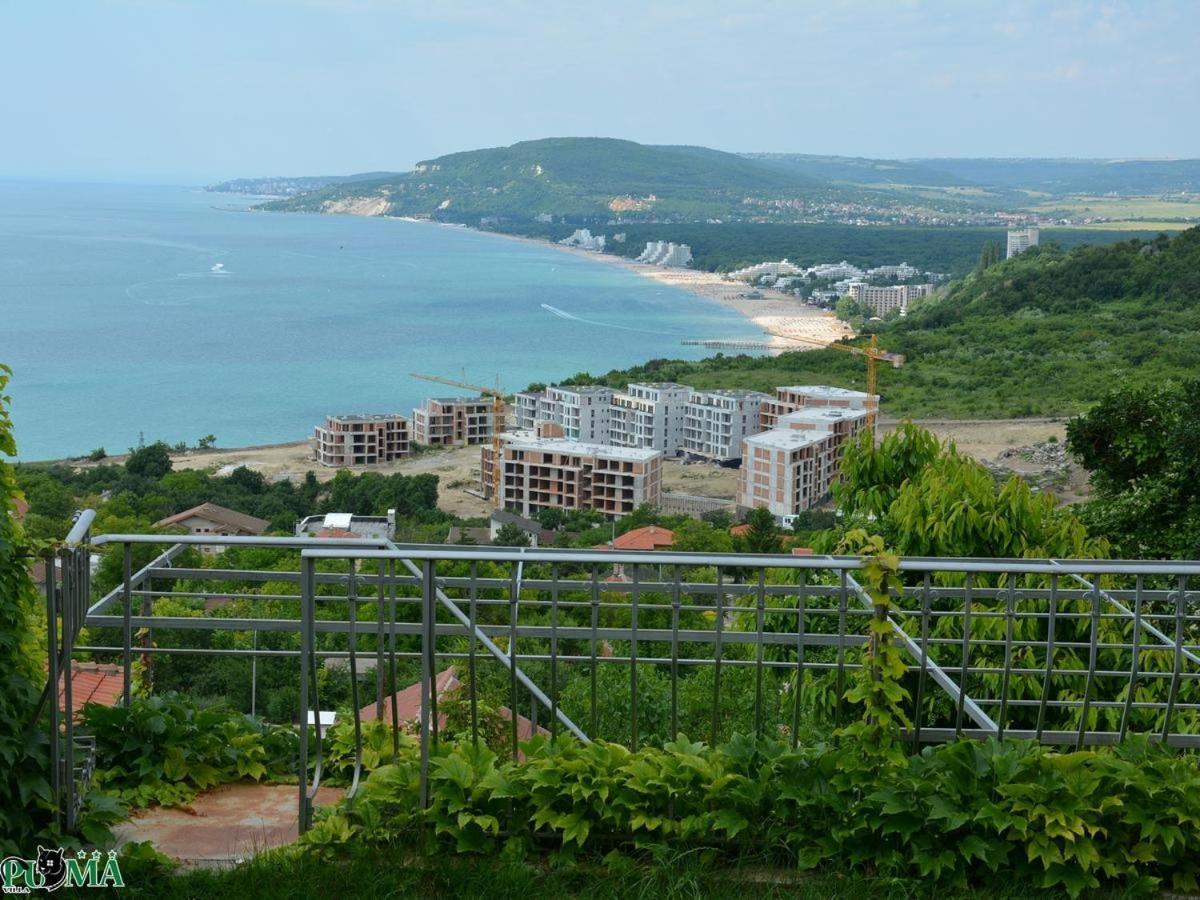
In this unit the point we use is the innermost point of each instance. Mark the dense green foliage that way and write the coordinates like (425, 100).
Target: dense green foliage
(927, 499)
(163, 749)
(569, 176)
(1048, 331)
(955, 813)
(1142, 448)
(375, 872)
(144, 490)
(24, 789)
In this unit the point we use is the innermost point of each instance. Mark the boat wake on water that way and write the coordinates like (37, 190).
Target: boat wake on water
(563, 314)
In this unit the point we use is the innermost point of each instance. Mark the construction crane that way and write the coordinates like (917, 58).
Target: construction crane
(873, 355)
(498, 416)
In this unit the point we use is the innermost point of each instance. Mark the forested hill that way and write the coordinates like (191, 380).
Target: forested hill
(1047, 332)
(576, 177)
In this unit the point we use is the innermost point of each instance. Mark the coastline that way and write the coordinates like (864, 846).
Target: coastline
(786, 323)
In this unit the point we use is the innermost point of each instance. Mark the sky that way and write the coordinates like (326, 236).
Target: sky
(192, 92)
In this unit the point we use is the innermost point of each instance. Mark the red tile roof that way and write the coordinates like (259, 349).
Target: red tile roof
(92, 683)
(650, 537)
(408, 706)
(222, 515)
(740, 530)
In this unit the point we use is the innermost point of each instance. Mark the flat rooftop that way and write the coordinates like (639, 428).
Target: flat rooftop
(825, 390)
(823, 414)
(788, 438)
(660, 385)
(733, 393)
(526, 440)
(368, 417)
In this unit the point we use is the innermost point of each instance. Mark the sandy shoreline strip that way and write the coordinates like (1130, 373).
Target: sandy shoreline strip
(787, 323)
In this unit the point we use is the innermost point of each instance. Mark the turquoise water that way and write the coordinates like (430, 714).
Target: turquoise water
(176, 313)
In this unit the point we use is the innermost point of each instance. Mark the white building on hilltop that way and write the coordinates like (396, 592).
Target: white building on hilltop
(662, 253)
(1020, 240)
(584, 240)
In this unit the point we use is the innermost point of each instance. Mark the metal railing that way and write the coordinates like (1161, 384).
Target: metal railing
(1067, 652)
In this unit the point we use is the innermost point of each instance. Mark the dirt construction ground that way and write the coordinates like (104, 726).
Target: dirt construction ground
(458, 469)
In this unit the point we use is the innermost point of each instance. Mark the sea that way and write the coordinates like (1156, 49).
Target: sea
(136, 313)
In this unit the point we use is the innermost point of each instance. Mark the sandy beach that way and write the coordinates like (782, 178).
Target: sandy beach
(787, 323)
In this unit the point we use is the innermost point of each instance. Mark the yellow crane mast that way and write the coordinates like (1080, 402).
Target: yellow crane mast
(873, 356)
(498, 417)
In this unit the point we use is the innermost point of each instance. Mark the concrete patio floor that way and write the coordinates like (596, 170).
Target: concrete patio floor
(224, 825)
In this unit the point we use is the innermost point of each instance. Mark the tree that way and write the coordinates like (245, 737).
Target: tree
(551, 518)
(927, 499)
(990, 254)
(1142, 449)
(763, 536)
(98, 454)
(23, 763)
(151, 461)
(207, 442)
(510, 535)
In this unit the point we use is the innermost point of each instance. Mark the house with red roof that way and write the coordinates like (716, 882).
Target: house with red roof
(407, 704)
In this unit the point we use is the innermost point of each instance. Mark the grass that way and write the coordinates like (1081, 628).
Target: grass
(1128, 225)
(1140, 208)
(284, 874)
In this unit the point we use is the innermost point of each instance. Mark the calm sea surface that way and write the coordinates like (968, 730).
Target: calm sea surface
(175, 313)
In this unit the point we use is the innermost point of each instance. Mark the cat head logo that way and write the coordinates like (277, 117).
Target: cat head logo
(53, 868)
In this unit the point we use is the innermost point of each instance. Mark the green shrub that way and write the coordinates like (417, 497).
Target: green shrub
(163, 749)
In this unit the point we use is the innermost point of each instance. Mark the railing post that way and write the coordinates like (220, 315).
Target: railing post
(306, 569)
(127, 611)
(428, 676)
(52, 601)
(70, 627)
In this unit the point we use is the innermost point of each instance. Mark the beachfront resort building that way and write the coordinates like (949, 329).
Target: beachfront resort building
(662, 253)
(715, 422)
(553, 473)
(791, 467)
(581, 410)
(649, 416)
(753, 273)
(584, 240)
(1020, 240)
(902, 272)
(453, 421)
(361, 439)
(885, 299)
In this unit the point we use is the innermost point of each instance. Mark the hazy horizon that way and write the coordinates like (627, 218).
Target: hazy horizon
(157, 91)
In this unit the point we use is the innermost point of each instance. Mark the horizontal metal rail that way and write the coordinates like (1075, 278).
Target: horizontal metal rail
(1071, 652)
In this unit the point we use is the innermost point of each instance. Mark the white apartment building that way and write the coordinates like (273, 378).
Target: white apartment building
(361, 439)
(792, 467)
(775, 269)
(663, 253)
(552, 473)
(902, 272)
(715, 422)
(649, 416)
(1020, 240)
(584, 240)
(453, 421)
(820, 396)
(834, 270)
(583, 411)
(884, 299)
